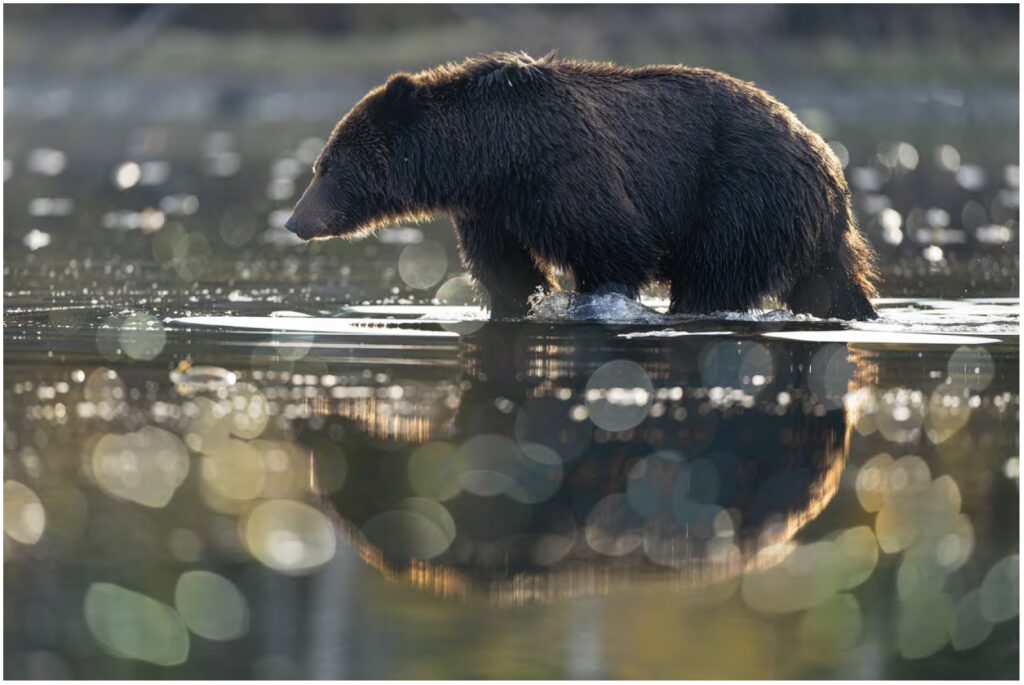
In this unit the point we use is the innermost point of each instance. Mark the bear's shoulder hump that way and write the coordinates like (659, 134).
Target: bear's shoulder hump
(505, 69)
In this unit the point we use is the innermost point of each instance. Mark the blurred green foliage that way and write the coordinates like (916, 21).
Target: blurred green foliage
(948, 44)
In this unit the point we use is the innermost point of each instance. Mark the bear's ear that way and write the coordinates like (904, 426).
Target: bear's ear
(401, 100)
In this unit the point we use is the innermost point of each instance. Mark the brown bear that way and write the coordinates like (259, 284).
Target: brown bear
(622, 176)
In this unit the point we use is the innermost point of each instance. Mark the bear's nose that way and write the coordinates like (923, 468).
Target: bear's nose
(292, 224)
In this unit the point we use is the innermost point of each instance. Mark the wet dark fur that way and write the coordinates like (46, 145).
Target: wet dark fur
(621, 176)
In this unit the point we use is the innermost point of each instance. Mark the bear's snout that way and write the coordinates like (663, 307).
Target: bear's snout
(309, 218)
(303, 228)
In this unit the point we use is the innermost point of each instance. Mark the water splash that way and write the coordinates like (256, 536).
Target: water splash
(609, 308)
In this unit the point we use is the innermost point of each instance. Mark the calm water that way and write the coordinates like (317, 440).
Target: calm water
(227, 455)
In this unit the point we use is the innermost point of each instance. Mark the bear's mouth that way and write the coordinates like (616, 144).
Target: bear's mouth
(311, 233)
(306, 231)
(308, 234)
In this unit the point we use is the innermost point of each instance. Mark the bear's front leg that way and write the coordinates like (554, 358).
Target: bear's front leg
(628, 290)
(504, 270)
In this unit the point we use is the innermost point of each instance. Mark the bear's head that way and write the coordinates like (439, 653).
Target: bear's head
(356, 184)
(440, 140)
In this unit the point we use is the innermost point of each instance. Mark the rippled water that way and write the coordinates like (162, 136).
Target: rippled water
(615, 497)
(227, 455)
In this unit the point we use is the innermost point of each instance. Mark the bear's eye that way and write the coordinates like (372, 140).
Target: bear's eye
(321, 167)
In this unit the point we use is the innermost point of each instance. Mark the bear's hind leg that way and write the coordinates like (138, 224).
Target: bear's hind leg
(696, 289)
(504, 270)
(831, 291)
(724, 264)
(686, 298)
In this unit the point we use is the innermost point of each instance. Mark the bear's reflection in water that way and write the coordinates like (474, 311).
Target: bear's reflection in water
(545, 472)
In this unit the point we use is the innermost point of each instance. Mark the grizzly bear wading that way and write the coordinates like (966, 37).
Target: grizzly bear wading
(624, 177)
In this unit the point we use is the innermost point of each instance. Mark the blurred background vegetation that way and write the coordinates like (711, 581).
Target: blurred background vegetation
(940, 44)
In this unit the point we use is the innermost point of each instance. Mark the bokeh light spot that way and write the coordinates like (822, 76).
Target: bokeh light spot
(288, 536)
(418, 528)
(619, 395)
(831, 627)
(923, 624)
(1000, 591)
(24, 515)
(145, 467)
(134, 626)
(970, 626)
(434, 470)
(142, 336)
(422, 265)
(211, 606)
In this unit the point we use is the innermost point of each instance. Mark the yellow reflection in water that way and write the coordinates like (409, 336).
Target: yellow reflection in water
(831, 627)
(145, 467)
(207, 428)
(873, 482)
(250, 413)
(24, 516)
(858, 550)
(282, 469)
(920, 518)
(810, 575)
(288, 536)
(948, 412)
(234, 470)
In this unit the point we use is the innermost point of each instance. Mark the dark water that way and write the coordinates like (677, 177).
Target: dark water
(226, 455)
